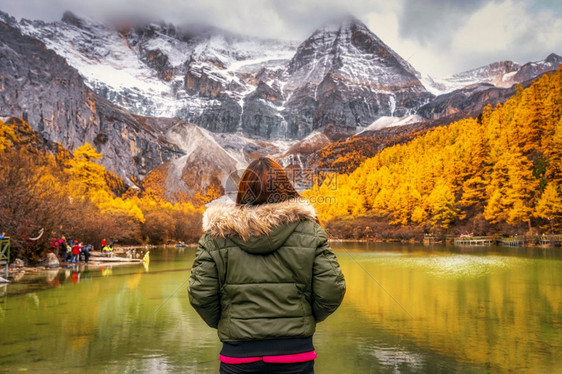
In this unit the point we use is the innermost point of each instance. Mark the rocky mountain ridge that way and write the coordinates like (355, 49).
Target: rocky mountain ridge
(502, 74)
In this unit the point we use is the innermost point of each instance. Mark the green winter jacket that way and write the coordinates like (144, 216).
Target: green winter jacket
(264, 272)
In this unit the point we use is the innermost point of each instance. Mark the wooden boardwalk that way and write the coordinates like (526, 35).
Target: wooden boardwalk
(550, 240)
(513, 241)
(96, 258)
(473, 241)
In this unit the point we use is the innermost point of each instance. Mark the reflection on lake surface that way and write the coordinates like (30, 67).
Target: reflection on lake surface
(408, 309)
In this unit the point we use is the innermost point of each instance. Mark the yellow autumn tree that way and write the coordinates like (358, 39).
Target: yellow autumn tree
(442, 203)
(553, 154)
(475, 169)
(521, 189)
(88, 174)
(88, 181)
(549, 206)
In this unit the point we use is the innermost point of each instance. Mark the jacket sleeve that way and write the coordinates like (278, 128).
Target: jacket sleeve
(328, 283)
(204, 287)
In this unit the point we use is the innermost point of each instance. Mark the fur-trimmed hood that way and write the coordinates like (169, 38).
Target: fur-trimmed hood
(254, 225)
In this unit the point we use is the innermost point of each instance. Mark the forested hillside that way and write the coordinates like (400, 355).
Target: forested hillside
(44, 188)
(500, 172)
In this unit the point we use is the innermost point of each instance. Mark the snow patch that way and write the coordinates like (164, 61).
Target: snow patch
(509, 76)
(385, 121)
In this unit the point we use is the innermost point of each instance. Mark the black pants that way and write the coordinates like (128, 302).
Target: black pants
(268, 368)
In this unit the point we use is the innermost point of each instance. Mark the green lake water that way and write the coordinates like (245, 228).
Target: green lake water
(408, 309)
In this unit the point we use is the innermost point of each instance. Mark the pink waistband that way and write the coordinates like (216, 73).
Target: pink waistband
(238, 360)
(280, 359)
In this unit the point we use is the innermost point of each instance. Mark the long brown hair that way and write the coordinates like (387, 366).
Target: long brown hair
(264, 182)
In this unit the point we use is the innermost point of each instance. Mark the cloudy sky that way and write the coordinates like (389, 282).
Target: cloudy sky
(438, 37)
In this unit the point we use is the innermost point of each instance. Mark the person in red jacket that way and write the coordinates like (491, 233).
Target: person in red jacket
(103, 243)
(76, 252)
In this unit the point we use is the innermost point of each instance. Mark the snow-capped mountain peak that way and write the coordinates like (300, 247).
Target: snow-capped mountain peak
(345, 46)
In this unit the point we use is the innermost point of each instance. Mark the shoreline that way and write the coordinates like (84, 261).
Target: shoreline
(123, 261)
(70, 265)
(438, 241)
(93, 262)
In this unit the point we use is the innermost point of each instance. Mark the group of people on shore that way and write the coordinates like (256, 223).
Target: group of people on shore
(70, 251)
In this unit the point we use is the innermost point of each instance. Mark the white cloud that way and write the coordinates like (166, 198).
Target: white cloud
(427, 58)
(386, 26)
(493, 28)
(506, 31)
(500, 30)
(439, 37)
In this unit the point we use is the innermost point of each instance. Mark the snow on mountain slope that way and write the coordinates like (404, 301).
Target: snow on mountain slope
(498, 74)
(101, 55)
(121, 64)
(343, 74)
(501, 74)
(227, 83)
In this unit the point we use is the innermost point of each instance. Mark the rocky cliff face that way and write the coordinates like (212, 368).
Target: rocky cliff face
(342, 75)
(40, 87)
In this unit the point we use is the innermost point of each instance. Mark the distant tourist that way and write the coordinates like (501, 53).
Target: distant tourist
(86, 251)
(2, 235)
(282, 276)
(103, 243)
(107, 250)
(63, 248)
